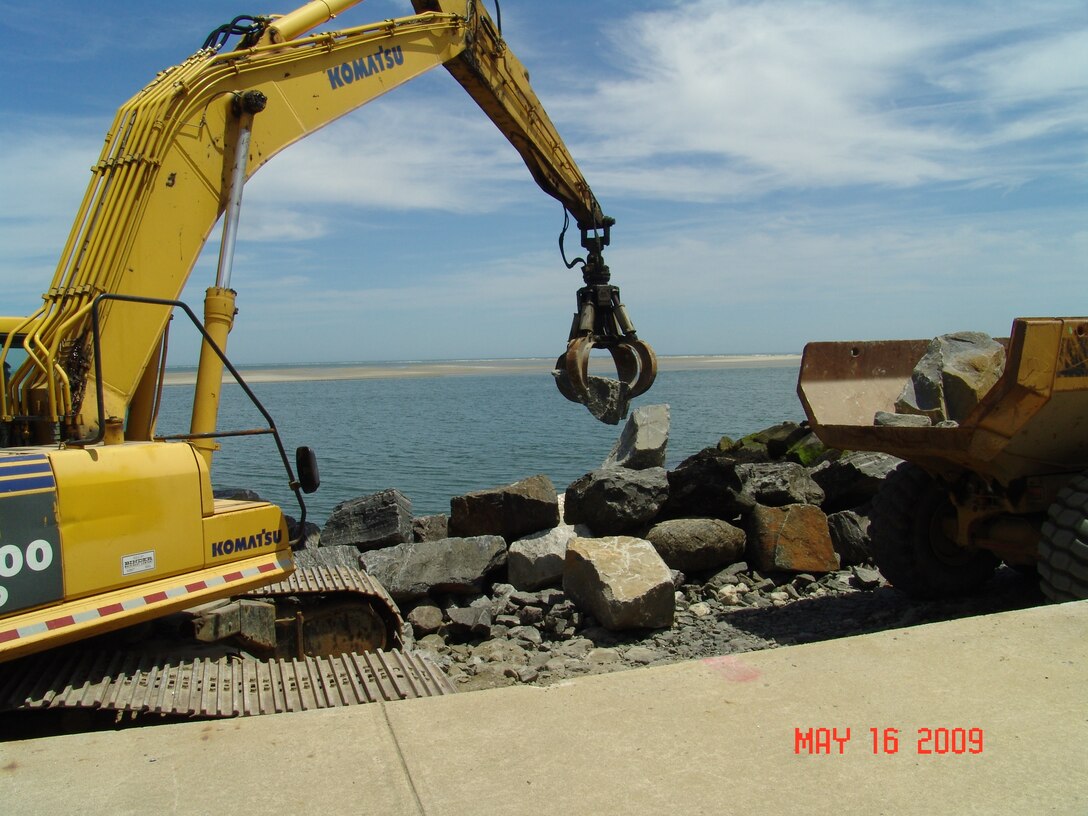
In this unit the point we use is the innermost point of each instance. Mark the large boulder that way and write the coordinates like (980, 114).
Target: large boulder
(770, 443)
(643, 441)
(370, 522)
(850, 537)
(809, 451)
(340, 555)
(456, 565)
(776, 484)
(706, 485)
(794, 538)
(953, 375)
(853, 479)
(621, 581)
(510, 511)
(431, 528)
(615, 501)
(694, 545)
(536, 561)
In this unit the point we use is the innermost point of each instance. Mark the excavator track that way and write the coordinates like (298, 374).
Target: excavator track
(138, 681)
(207, 688)
(323, 588)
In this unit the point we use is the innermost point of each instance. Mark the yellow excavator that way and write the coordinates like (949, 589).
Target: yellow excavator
(104, 524)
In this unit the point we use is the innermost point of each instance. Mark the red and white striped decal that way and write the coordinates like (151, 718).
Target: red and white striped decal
(7, 635)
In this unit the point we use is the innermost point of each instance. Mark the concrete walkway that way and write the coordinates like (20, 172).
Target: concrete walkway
(1006, 697)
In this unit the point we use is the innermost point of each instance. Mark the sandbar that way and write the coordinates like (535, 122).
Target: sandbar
(461, 368)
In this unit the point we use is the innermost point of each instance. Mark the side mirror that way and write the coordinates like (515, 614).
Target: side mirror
(309, 478)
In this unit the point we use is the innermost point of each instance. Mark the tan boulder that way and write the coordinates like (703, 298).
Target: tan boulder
(621, 581)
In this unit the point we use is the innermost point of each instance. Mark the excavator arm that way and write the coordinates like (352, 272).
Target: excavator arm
(498, 82)
(175, 160)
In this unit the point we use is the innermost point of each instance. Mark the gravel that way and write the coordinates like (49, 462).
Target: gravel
(736, 610)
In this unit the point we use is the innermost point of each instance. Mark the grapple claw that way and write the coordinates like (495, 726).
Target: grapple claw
(636, 369)
(601, 321)
(647, 367)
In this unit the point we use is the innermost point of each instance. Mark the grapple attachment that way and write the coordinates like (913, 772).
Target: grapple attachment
(602, 322)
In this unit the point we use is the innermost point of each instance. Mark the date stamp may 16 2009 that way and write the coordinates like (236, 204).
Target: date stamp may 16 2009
(927, 740)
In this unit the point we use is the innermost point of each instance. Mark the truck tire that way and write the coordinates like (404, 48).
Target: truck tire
(910, 546)
(1063, 547)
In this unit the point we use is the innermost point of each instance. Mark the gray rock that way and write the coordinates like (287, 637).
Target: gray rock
(456, 565)
(865, 577)
(552, 596)
(641, 655)
(770, 443)
(425, 618)
(527, 674)
(644, 439)
(370, 522)
(511, 511)
(520, 598)
(954, 374)
(527, 634)
(706, 485)
(853, 479)
(468, 622)
(809, 451)
(536, 561)
(975, 362)
(490, 675)
(613, 501)
(886, 419)
(604, 656)
(608, 400)
(621, 581)
(431, 528)
(530, 615)
(697, 545)
(501, 651)
(577, 648)
(342, 555)
(850, 537)
(776, 484)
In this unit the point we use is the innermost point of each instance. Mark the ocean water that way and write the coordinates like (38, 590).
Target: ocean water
(438, 437)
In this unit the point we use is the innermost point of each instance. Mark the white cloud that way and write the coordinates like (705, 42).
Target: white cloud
(778, 95)
(45, 165)
(423, 153)
(751, 284)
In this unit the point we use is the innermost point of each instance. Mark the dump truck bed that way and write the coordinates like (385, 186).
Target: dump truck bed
(1034, 421)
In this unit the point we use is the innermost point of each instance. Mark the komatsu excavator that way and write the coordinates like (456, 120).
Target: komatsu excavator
(104, 524)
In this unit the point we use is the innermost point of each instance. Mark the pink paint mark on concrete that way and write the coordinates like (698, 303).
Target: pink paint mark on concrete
(733, 668)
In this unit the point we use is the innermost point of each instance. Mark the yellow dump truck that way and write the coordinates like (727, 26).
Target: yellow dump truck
(1007, 482)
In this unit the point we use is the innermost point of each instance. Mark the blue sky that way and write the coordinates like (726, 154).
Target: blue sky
(779, 171)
